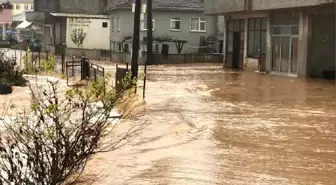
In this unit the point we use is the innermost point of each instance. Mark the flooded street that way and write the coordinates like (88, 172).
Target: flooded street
(214, 126)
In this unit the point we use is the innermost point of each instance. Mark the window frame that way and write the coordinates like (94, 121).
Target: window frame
(199, 24)
(118, 23)
(173, 21)
(112, 24)
(256, 28)
(142, 24)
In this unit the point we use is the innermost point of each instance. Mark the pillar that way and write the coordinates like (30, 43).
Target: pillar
(269, 43)
(303, 44)
(245, 39)
(224, 41)
(4, 31)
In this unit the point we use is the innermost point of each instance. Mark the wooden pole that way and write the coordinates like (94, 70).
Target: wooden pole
(136, 32)
(149, 58)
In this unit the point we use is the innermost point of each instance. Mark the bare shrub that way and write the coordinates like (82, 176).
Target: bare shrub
(52, 144)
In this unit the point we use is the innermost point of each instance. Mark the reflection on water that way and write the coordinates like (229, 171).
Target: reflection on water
(211, 126)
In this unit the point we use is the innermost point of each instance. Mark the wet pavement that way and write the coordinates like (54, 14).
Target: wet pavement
(214, 126)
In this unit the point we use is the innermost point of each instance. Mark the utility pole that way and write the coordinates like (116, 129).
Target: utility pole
(149, 59)
(135, 44)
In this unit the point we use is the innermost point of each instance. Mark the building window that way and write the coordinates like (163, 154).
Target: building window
(26, 6)
(257, 37)
(104, 24)
(197, 24)
(112, 24)
(175, 24)
(32, 6)
(17, 6)
(118, 23)
(144, 23)
(235, 25)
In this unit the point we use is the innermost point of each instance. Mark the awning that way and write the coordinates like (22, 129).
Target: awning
(79, 15)
(23, 25)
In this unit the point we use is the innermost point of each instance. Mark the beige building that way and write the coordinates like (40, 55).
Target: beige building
(290, 37)
(20, 6)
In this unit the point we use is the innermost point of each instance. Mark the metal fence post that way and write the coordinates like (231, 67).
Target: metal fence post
(63, 61)
(39, 59)
(73, 65)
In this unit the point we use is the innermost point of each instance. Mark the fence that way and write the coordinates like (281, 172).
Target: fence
(187, 58)
(78, 71)
(121, 57)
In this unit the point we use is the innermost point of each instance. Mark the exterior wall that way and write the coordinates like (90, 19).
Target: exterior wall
(95, 35)
(47, 5)
(276, 4)
(162, 28)
(223, 6)
(5, 20)
(70, 6)
(322, 45)
(19, 8)
(82, 6)
(227, 6)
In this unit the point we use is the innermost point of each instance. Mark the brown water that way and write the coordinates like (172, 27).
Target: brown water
(211, 126)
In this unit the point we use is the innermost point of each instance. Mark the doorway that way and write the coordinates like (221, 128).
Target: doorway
(285, 36)
(236, 50)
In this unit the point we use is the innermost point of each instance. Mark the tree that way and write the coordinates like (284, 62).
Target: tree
(179, 45)
(52, 144)
(78, 36)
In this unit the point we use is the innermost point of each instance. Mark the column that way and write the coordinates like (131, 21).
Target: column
(4, 31)
(269, 44)
(303, 44)
(224, 41)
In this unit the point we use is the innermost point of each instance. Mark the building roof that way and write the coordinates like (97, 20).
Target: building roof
(192, 5)
(79, 15)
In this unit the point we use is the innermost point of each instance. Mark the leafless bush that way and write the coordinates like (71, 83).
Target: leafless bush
(52, 144)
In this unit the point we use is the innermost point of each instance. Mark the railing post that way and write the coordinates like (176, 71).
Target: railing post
(63, 62)
(32, 60)
(95, 74)
(39, 58)
(20, 57)
(73, 65)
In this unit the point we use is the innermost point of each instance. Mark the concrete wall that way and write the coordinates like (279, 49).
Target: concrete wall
(70, 6)
(277, 4)
(223, 6)
(47, 5)
(322, 53)
(228, 6)
(82, 6)
(162, 27)
(96, 36)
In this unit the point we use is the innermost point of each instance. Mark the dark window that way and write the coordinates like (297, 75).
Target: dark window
(257, 37)
(126, 48)
(104, 24)
(235, 25)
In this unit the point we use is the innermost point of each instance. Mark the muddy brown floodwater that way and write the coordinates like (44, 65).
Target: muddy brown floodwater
(213, 126)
